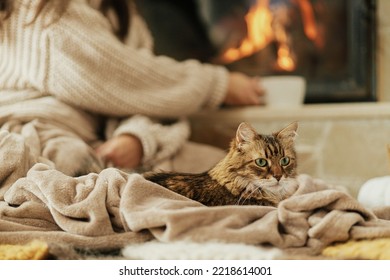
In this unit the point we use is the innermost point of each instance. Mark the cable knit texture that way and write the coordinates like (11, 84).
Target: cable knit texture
(77, 59)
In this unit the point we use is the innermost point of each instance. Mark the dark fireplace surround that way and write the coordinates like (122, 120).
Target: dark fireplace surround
(342, 70)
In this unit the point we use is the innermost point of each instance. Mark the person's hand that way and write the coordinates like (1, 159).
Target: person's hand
(244, 90)
(123, 151)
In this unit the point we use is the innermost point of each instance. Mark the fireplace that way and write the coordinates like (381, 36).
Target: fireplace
(329, 42)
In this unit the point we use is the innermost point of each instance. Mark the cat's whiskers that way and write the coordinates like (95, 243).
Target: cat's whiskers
(239, 199)
(289, 186)
(285, 188)
(257, 188)
(245, 190)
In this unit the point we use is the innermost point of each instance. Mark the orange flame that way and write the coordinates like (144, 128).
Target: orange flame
(264, 27)
(310, 26)
(260, 33)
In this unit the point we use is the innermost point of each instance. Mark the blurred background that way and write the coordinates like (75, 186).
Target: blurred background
(329, 42)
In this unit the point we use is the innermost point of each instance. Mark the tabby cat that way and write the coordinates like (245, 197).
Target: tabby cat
(258, 170)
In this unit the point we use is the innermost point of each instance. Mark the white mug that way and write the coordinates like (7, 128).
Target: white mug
(284, 91)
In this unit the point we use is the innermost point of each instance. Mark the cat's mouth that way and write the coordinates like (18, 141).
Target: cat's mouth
(290, 185)
(270, 190)
(265, 184)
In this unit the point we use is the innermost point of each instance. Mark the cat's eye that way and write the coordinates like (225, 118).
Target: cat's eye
(262, 162)
(284, 161)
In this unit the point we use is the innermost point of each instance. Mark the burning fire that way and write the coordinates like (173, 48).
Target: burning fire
(260, 33)
(265, 26)
(311, 28)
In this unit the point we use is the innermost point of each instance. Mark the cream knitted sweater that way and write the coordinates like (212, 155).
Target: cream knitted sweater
(79, 61)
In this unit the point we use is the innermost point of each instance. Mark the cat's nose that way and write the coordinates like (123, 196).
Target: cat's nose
(278, 177)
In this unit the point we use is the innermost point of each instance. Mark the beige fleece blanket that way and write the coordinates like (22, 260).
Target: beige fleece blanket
(113, 209)
(110, 208)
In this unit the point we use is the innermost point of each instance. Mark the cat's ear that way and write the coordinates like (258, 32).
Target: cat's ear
(288, 133)
(245, 134)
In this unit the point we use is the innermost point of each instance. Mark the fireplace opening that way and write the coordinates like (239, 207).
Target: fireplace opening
(329, 42)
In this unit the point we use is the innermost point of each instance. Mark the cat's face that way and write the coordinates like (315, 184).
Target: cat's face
(265, 164)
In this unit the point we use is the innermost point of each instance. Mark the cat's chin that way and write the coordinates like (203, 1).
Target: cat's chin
(267, 183)
(287, 185)
(271, 190)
